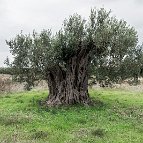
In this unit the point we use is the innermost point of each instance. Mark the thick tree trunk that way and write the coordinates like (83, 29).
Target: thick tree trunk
(69, 86)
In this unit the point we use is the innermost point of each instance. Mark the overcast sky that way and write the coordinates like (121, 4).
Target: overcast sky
(26, 15)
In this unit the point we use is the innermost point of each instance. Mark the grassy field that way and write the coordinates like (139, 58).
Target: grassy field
(117, 117)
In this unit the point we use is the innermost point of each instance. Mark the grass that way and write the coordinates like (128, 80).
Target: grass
(117, 117)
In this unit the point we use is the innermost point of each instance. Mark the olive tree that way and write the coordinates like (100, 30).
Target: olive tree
(65, 59)
(132, 66)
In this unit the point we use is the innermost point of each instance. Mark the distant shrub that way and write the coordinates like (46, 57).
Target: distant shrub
(6, 70)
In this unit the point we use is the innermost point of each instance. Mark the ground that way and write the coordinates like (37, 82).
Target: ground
(117, 117)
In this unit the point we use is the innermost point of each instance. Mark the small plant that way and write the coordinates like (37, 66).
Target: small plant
(40, 135)
(98, 132)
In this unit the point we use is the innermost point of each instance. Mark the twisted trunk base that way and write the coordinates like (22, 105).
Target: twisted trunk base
(70, 86)
(67, 95)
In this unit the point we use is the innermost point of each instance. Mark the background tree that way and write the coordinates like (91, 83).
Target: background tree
(133, 64)
(65, 60)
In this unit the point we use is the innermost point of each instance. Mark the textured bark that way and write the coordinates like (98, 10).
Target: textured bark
(70, 86)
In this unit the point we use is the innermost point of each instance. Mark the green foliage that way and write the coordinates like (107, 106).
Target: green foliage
(106, 40)
(130, 67)
(116, 117)
(133, 62)
(119, 40)
(6, 70)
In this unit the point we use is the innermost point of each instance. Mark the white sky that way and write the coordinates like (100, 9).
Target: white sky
(26, 15)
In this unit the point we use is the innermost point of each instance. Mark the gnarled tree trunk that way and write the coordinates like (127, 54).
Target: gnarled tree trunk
(69, 86)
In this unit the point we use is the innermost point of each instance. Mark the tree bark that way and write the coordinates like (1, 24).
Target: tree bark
(69, 86)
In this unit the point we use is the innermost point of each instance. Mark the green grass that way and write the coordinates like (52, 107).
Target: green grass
(117, 117)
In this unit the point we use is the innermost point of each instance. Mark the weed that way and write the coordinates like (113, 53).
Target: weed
(40, 135)
(98, 132)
